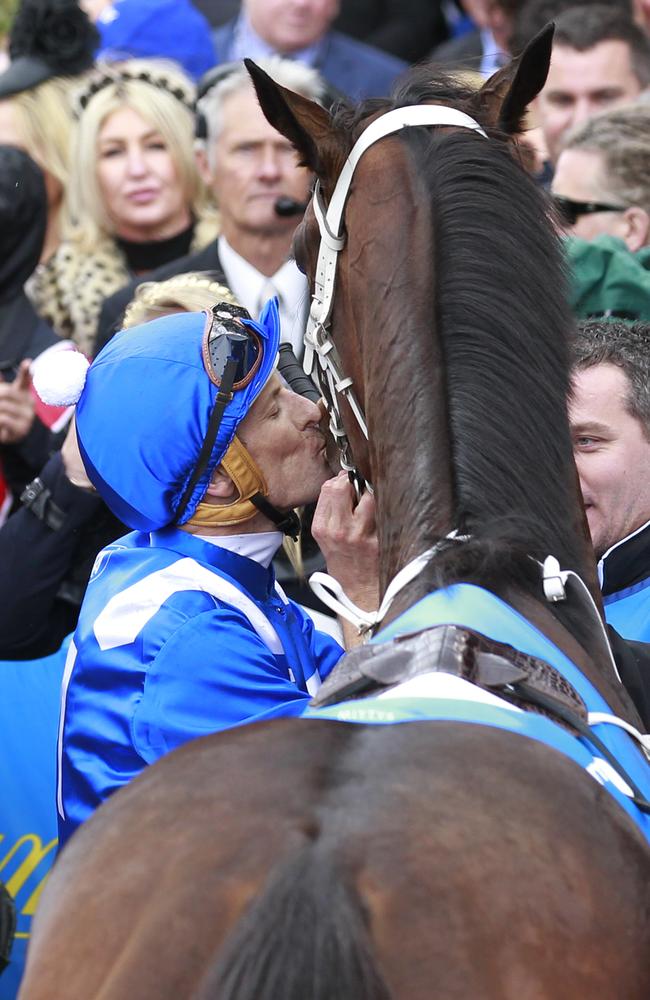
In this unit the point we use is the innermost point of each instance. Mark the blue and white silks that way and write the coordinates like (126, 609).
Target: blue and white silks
(177, 638)
(470, 606)
(628, 611)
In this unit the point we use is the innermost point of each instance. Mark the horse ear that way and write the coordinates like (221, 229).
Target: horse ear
(506, 95)
(304, 123)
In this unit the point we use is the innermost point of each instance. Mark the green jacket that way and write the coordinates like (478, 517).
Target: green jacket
(606, 279)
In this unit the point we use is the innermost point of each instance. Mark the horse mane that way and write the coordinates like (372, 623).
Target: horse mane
(501, 312)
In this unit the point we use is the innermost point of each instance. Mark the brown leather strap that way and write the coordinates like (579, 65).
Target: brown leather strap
(492, 665)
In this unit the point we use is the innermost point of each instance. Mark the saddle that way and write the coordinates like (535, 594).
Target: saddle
(523, 680)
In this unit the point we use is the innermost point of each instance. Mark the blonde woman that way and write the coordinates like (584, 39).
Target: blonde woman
(136, 200)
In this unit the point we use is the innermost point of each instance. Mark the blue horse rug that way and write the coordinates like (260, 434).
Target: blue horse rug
(436, 696)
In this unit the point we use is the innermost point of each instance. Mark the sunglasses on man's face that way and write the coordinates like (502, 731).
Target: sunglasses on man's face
(569, 211)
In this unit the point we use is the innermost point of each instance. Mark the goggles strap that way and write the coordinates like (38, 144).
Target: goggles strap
(224, 396)
(286, 521)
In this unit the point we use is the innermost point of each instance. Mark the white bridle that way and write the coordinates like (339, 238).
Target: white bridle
(328, 373)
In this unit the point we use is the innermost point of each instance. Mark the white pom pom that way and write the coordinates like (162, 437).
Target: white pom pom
(60, 377)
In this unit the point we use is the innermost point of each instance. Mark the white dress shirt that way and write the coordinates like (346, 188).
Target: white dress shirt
(253, 289)
(260, 546)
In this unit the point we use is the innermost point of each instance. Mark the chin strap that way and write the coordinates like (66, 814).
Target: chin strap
(251, 486)
(286, 521)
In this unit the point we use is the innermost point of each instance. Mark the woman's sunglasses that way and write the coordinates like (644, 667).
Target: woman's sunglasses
(569, 211)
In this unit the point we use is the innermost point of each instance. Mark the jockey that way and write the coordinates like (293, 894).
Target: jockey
(193, 441)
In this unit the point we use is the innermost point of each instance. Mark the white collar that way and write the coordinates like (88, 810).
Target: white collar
(247, 285)
(260, 546)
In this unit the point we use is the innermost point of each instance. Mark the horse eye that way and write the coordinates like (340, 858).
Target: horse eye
(297, 249)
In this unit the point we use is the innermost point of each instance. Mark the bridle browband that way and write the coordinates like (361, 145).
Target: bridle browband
(328, 372)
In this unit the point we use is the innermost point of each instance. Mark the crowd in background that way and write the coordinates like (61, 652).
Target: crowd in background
(138, 177)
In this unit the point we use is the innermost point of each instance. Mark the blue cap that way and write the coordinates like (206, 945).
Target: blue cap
(144, 412)
(165, 29)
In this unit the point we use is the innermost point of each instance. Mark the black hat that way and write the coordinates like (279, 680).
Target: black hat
(48, 38)
(23, 217)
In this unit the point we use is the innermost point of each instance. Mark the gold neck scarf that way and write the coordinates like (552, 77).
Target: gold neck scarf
(239, 465)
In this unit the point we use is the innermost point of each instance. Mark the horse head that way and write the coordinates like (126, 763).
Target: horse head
(323, 142)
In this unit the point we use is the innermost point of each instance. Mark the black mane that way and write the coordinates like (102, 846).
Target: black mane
(502, 315)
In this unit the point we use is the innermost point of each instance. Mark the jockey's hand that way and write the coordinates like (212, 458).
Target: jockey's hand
(16, 406)
(347, 536)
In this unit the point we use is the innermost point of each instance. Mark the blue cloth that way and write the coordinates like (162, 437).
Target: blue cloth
(29, 714)
(628, 610)
(352, 67)
(168, 29)
(624, 572)
(144, 412)
(177, 638)
(472, 607)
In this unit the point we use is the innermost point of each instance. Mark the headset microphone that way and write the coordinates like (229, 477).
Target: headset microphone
(286, 207)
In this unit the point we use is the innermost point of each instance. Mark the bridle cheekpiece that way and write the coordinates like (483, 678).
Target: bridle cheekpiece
(322, 360)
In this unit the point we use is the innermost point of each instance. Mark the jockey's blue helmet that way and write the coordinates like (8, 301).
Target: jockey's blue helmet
(161, 405)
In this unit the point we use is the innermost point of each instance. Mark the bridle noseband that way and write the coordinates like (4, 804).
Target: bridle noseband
(328, 372)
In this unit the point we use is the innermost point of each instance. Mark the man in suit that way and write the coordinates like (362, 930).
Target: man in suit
(248, 166)
(303, 31)
(486, 48)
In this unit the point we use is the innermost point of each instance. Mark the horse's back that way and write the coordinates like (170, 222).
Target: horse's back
(407, 840)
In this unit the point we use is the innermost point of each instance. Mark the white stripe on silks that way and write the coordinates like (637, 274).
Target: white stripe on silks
(127, 613)
(67, 674)
(440, 684)
(313, 683)
(603, 772)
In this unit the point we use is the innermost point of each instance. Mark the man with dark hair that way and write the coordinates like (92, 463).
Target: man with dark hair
(610, 423)
(532, 15)
(601, 59)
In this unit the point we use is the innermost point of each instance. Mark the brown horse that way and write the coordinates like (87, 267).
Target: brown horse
(314, 860)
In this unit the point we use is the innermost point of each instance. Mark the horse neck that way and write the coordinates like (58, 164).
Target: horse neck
(400, 361)
(423, 490)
